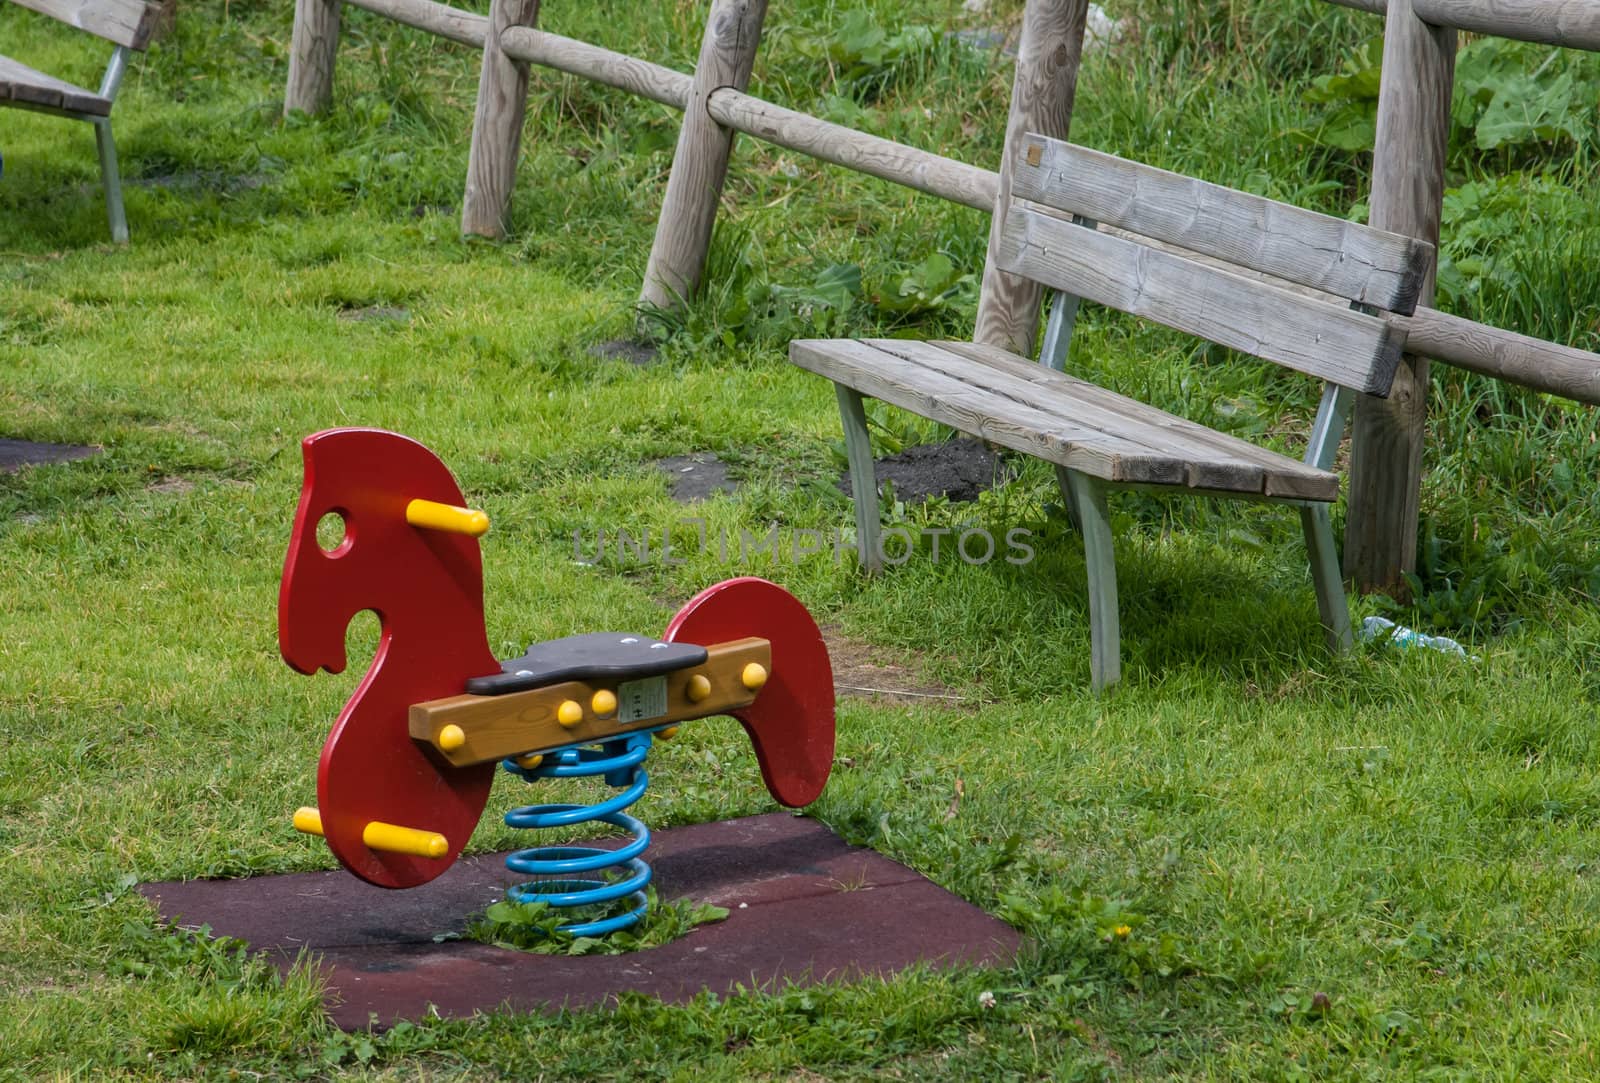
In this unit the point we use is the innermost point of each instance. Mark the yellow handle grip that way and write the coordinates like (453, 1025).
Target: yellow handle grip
(431, 515)
(394, 839)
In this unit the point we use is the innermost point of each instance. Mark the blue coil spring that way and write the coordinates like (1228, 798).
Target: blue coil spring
(569, 872)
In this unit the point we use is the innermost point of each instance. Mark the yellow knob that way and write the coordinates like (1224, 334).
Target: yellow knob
(754, 676)
(603, 702)
(699, 688)
(570, 713)
(667, 734)
(530, 761)
(308, 820)
(451, 737)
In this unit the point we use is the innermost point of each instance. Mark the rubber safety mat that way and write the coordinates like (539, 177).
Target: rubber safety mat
(803, 907)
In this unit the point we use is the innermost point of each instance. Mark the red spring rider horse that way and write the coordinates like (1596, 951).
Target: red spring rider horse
(406, 770)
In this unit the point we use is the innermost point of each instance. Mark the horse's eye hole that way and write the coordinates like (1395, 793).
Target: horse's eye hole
(330, 532)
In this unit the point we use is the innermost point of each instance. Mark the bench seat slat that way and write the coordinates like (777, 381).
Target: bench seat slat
(1349, 348)
(1204, 467)
(1283, 476)
(1026, 429)
(34, 89)
(1028, 408)
(1330, 254)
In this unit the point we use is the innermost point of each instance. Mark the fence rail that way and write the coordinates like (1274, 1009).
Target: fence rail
(638, 77)
(441, 19)
(1572, 24)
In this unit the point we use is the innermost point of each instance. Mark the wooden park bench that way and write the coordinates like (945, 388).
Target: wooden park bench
(127, 24)
(1301, 289)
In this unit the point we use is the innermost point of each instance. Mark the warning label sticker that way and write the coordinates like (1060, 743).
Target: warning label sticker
(641, 700)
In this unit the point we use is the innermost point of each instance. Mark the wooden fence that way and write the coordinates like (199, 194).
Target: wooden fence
(731, 36)
(1407, 190)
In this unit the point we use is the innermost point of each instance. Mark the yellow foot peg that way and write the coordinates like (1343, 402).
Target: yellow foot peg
(308, 821)
(389, 838)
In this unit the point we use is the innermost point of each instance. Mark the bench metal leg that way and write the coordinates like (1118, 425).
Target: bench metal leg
(1067, 502)
(1053, 354)
(863, 481)
(1326, 577)
(111, 179)
(1105, 655)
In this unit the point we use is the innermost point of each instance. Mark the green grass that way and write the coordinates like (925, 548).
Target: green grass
(1375, 867)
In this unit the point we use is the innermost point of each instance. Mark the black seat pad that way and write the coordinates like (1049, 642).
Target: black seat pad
(613, 656)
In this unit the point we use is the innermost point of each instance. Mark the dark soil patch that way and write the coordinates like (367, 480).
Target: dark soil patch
(696, 477)
(630, 350)
(872, 672)
(860, 669)
(374, 312)
(957, 469)
(15, 454)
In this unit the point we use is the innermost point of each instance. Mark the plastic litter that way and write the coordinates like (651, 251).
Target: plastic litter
(1401, 636)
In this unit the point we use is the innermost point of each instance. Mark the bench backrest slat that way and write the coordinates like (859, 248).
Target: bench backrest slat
(122, 22)
(1321, 338)
(1343, 258)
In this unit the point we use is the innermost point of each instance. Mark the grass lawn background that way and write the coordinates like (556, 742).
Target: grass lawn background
(1377, 865)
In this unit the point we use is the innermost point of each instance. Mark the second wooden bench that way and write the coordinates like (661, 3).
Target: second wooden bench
(127, 24)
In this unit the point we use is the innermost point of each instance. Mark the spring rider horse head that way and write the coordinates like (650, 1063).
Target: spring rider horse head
(406, 770)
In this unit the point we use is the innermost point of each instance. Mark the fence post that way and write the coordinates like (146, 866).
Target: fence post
(1407, 197)
(497, 124)
(1041, 101)
(699, 165)
(313, 46)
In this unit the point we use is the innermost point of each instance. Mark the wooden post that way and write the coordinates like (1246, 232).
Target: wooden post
(497, 124)
(694, 187)
(1041, 101)
(1407, 197)
(313, 46)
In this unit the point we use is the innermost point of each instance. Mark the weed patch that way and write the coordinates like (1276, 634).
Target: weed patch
(535, 927)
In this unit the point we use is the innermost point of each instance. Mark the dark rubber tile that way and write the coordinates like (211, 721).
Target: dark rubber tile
(804, 907)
